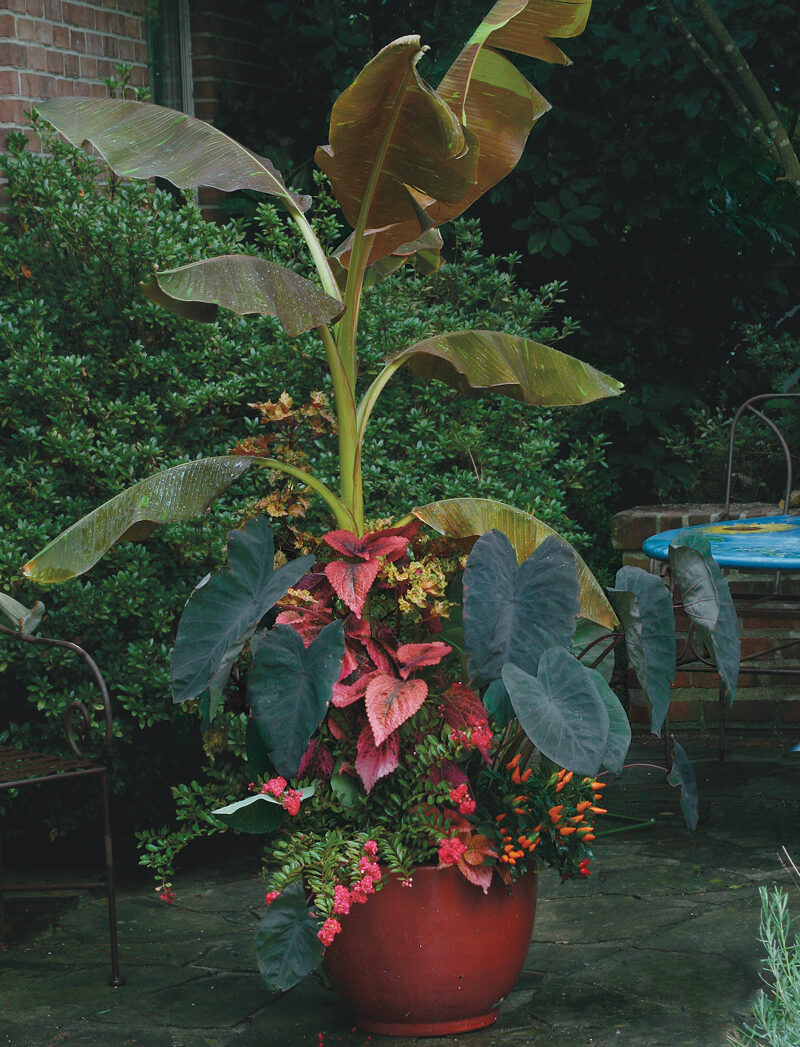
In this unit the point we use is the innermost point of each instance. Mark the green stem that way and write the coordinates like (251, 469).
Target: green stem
(346, 420)
(370, 397)
(340, 511)
(326, 276)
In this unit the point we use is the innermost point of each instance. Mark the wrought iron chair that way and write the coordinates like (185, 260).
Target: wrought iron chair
(19, 768)
(748, 407)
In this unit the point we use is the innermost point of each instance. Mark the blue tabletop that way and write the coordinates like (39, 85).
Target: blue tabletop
(761, 543)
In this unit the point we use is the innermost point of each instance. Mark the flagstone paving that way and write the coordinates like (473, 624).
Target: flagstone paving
(658, 949)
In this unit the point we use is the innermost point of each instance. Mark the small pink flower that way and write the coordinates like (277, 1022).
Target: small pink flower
(371, 848)
(450, 850)
(329, 930)
(467, 806)
(292, 799)
(270, 896)
(341, 900)
(458, 793)
(274, 786)
(368, 868)
(168, 896)
(366, 885)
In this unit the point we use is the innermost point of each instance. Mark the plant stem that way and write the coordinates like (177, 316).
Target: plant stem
(327, 278)
(340, 511)
(348, 433)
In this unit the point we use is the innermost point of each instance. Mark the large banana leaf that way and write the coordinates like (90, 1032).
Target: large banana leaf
(493, 100)
(470, 517)
(396, 145)
(140, 140)
(510, 365)
(173, 494)
(491, 97)
(243, 284)
(426, 251)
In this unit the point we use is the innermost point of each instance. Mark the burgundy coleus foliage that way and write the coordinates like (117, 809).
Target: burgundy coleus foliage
(377, 685)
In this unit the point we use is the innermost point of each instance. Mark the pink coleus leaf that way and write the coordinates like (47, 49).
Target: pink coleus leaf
(462, 706)
(352, 581)
(308, 622)
(345, 694)
(376, 761)
(413, 656)
(390, 702)
(480, 875)
(377, 543)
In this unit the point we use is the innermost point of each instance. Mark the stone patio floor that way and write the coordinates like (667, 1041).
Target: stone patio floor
(658, 949)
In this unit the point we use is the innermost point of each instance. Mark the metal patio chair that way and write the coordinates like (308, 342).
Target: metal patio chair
(20, 768)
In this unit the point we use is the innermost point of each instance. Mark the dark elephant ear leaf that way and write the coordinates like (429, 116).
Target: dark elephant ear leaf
(243, 284)
(139, 140)
(470, 517)
(287, 946)
(682, 774)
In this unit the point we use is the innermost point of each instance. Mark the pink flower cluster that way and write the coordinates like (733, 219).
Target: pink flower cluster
(460, 795)
(168, 896)
(290, 798)
(477, 736)
(357, 893)
(270, 896)
(450, 850)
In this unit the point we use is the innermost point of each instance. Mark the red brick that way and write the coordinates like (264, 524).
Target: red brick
(684, 712)
(630, 528)
(81, 89)
(99, 91)
(65, 88)
(638, 714)
(55, 62)
(742, 712)
(13, 54)
(77, 41)
(35, 8)
(126, 50)
(140, 55)
(61, 37)
(7, 26)
(78, 14)
(32, 85)
(95, 44)
(88, 68)
(12, 111)
(72, 65)
(14, 5)
(53, 10)
(9, 82)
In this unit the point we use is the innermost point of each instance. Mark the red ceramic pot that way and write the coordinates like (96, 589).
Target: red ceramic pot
(434, 958)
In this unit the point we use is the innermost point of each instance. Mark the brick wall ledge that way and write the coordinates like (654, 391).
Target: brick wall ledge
(632, 526)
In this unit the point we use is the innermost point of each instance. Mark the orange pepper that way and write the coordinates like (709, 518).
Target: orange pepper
(501, 817)
(555, 813)
(585, 828)
(588, 837)
(513, 763)
(520, 810)
(582, 806)
(509, 847)
(577, 818)
(599, 785)
(566, 830)
(568, 777)
(526, 774)
(598, 810)
(516, 778)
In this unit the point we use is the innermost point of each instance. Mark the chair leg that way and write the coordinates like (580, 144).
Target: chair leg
(115, 980)
(2, 895)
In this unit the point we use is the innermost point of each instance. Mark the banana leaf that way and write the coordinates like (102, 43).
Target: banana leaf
(244, 284)
(174, 494)
(140, 140)
(471, 517)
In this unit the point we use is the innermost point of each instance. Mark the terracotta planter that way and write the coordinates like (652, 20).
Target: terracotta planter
(434, 958)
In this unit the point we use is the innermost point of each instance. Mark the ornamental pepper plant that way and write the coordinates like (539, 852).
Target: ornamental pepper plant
(409, 688)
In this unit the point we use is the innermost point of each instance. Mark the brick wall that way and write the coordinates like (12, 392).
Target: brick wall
(763, 702)
(62, 47)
